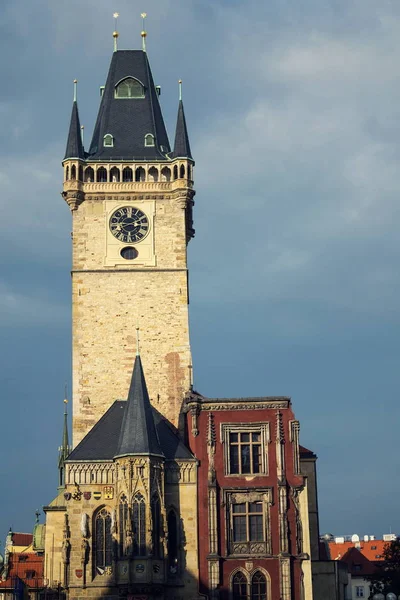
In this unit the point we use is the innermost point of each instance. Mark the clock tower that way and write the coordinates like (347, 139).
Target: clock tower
(131, 199)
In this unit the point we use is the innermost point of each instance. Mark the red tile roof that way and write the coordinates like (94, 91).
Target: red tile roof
(358, 564)
(22, 539)
(373, 550)
(28, 566)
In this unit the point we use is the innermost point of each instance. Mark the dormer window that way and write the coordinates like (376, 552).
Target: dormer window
(129, 88)
(149, 140)
(108, 140)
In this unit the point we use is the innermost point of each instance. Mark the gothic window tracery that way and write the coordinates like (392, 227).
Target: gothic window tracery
(153, 174)
(139, 525)
(258, 586)
(129, 88)
(239, 587)
(166, 174)
(103, 539)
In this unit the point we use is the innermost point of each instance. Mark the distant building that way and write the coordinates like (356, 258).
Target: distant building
(22, 567)
(371, 548)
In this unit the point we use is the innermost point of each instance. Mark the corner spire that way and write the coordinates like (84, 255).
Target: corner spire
(74, 143)
(181, 146)
(65, 448)
(138, 433)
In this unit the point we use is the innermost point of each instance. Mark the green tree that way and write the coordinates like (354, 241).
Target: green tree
(387, 578)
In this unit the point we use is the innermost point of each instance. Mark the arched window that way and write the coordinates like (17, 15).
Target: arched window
(190, 172)
(115, 174)
(172, 524)
(108, 140)
(101, 175)
(123, 517)
(89, 174)
(239, 587)
(182, 172)
(149, 139)
(80, 173)
(258, 586)
(127, 174)
(156, 518)
(129, 88)
(73, 172)
(166, 174)
(175, 172)
(67, 173)
(153, 174)
(140, 174)
(103, 540)
(139, 525)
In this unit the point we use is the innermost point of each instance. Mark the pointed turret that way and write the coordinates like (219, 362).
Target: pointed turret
(64, 449)
(129, 124)
(74, 143)
(181, 146)
(138, 431)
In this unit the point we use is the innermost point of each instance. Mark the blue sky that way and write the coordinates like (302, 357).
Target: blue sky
(294, 119)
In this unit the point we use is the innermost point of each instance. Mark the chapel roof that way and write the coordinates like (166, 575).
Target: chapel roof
(101, 443)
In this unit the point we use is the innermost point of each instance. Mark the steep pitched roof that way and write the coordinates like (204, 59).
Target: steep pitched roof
(74, 143)
(138, 433)
(101, 443)
(181, 146)
(128, 120)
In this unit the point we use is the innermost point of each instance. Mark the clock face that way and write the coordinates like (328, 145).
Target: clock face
(129, 224)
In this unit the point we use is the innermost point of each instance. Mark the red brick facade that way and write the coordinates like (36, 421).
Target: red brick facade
(275, 489)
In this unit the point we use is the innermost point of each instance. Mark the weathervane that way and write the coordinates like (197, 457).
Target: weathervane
(115, 32)
(144, 32)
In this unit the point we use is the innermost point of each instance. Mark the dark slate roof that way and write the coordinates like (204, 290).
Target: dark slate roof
(101, 443)
(181, 146)
(74, 143)
(129, 120)
(138, 433)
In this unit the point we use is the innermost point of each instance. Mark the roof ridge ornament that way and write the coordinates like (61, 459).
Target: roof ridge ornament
(143, 32)
(115, 32)
(137, 342)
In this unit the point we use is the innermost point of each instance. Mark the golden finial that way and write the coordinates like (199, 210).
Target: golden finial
(180, 89)
(115, 32)
(144, 32)
(75, 89)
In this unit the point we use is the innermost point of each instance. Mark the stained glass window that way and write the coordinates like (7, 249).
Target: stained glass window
(103, 539)
(239, 587)
(139, 525)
